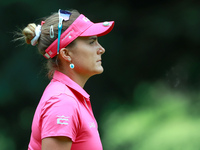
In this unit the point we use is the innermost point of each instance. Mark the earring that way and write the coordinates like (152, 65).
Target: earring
(71, 66)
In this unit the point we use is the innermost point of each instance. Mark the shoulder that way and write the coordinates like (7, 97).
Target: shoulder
(58, 96)
(57, 89)
(61, 103)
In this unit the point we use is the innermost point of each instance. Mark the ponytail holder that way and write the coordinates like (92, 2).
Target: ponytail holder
(37, 35)
(42, 22)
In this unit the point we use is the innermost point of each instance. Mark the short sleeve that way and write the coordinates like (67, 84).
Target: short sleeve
(59, 117)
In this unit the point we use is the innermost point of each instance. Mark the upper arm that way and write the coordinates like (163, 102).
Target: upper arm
(56, 143)
(60, 118)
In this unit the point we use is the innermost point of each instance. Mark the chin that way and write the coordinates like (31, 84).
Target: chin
(99, 71)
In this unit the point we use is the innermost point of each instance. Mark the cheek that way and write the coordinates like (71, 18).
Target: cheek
(85, 57)
(85, 65)
(81, 62)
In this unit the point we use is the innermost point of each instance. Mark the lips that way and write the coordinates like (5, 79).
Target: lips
(99, 60)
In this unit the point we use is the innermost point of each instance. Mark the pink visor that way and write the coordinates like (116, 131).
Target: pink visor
(82, 26)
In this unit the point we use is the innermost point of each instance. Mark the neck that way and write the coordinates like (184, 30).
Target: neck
(79, 79)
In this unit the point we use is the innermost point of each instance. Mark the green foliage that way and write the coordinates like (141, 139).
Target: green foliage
(6, 142)
(165, 122)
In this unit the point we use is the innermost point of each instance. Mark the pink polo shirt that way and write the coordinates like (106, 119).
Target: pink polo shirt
(65, 110)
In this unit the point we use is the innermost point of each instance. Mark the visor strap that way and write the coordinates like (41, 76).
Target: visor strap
(63, 15)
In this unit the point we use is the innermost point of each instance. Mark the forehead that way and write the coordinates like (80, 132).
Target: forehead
(82, 40)
(86, 37)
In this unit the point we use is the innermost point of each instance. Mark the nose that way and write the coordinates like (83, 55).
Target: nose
(101, 50)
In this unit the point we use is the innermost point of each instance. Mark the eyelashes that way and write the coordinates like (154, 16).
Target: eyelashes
(92, 41)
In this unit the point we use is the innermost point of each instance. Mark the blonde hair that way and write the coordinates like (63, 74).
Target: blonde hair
(45, 40)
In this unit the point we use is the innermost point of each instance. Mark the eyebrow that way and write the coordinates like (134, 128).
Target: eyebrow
(93, 38)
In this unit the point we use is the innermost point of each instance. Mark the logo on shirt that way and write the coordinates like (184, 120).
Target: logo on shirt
(62, 120)
(92, 125)
(86, 19)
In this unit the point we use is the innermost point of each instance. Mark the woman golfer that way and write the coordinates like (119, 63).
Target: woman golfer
(64, 119)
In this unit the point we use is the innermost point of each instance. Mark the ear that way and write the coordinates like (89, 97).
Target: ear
(64, 53)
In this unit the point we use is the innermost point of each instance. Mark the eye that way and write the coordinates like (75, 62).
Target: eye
(92, 41)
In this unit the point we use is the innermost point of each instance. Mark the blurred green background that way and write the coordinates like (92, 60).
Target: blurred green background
(148, 96)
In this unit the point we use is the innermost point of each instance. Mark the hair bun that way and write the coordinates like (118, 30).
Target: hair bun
(29, 32)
